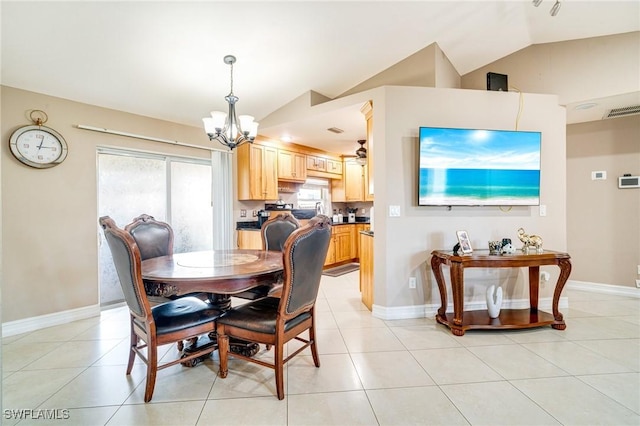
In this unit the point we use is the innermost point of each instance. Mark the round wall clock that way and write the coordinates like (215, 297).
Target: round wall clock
(38, 146)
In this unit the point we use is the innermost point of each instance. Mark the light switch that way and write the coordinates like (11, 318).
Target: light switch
(394, 211)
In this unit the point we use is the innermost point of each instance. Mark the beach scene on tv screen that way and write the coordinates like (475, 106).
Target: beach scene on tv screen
(478, 167)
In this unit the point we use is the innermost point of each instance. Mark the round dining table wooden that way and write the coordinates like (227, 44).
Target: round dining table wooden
(220, 273)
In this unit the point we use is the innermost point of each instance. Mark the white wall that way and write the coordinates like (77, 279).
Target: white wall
(403, 245)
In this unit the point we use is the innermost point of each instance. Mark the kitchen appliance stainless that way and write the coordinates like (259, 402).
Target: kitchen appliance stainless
(263, 216)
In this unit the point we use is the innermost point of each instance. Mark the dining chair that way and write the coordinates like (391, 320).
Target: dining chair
(276, 320)
(154, 239)
(274, 232)
(167, 323)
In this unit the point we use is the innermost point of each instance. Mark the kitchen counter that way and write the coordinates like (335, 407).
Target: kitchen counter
(253, 225)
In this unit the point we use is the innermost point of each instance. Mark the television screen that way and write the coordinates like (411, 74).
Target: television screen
(474, 167)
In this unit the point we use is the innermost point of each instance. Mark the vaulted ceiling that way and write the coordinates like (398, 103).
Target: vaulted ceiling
(165, 59)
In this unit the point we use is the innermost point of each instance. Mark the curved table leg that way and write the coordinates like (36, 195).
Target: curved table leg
(565, 271)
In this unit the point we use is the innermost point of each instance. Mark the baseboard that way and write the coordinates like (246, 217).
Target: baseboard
(429, 310)
(27, 325)
(617, 290)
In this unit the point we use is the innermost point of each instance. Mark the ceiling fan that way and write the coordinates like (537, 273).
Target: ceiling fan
(361, 153)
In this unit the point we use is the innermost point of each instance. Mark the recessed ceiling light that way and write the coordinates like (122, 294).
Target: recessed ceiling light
(286, 138)
(586, 105)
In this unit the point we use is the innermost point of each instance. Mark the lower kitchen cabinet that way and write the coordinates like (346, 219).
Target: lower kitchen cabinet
(250, 240)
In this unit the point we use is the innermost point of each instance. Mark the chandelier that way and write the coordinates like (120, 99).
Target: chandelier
(361, 153)
(227, 128)
(554, 9)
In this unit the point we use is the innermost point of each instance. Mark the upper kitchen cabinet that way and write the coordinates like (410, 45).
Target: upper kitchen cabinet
(353, 181)
(317, 164)
(367, 111)
(257, 172)
(334, 167)
(291, 166)
(352, 187)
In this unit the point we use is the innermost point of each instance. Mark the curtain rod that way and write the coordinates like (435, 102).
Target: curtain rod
(143, 137)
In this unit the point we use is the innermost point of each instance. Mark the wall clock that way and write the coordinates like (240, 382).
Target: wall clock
(38, 146)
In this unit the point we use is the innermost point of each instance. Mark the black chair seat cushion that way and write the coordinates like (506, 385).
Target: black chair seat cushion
(260, 316)
(182, 313)
(255, 293)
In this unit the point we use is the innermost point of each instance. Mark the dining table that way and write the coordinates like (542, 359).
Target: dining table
(219, 273)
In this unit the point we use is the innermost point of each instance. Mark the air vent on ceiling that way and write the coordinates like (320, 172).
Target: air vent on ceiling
(335, 130)
(619, 112)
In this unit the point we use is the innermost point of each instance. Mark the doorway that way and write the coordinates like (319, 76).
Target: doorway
(176, 190)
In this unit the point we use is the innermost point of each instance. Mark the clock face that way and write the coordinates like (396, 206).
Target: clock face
(38, 146)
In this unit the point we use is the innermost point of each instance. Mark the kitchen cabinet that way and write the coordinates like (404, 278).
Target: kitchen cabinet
(257, 172)
(359, 227)
(366, 269)
(353, 181)
(249, 239)
(331, 253)
(342, 242)
(352, 185)
(291, 166)
(367, 111)
(334, 167)
(318, 164)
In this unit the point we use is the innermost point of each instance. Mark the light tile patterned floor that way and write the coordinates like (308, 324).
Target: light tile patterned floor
(373, 372)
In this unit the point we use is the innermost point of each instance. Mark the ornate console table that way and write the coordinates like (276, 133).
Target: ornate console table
(459, 321)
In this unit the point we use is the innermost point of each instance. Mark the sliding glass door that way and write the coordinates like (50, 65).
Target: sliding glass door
(171, 189)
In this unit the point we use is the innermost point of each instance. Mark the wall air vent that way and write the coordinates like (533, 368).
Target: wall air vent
(335, 130)
(621, 112)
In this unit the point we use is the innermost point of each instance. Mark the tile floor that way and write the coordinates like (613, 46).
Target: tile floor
(373, 372)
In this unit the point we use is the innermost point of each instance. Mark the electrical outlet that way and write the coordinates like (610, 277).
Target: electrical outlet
(255, 213)
(243, 213)
(638, 283)
(638, 269)
(412, 282)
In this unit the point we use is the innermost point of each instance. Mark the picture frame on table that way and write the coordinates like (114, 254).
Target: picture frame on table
(465, 243)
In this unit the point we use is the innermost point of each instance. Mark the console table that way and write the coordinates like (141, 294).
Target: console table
(459, 321)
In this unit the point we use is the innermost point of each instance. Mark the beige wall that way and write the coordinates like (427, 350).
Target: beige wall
(49, 217)
(574, 70)
(578, 70)
(429, 67)
(403, 245)
(603, 229)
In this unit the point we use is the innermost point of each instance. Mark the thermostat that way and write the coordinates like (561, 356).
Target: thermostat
(629, 182)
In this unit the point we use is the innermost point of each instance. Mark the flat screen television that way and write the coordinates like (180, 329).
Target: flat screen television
(478, 167)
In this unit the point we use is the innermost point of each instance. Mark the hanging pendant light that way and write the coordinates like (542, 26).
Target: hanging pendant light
(227, 128)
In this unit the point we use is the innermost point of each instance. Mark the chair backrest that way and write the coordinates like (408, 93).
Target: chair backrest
(154, 238)
(303, 257)
(126, 258)
(276, 230)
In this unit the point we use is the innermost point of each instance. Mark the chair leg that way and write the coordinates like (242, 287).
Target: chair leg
(133, 342)
(314, 346)
(279, 368)
(223, 352)
(152, 370)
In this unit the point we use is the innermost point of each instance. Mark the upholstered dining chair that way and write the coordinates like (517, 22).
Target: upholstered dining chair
(170, 322)
(276, 320)
(154, 239)
(274, 233)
